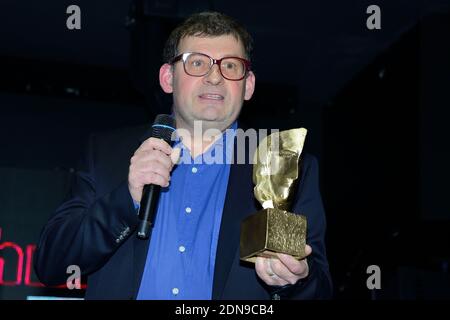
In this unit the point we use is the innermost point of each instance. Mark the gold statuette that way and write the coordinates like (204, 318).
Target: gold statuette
(275, 175)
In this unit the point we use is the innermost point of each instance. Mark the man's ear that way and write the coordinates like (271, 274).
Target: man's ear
(166, 78)
(249, 85)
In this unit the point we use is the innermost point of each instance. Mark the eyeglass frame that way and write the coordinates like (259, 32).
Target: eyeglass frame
(183, 57)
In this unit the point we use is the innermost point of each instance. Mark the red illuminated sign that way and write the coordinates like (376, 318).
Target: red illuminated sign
(22, 257)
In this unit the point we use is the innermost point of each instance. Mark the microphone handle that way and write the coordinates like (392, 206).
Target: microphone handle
(147, 210)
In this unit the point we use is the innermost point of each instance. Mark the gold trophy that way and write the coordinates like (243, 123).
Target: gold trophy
(275, 175)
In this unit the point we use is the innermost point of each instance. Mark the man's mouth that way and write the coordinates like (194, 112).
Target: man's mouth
(211, 96)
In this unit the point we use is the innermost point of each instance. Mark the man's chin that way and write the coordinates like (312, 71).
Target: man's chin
(214, 122)
(210, 116)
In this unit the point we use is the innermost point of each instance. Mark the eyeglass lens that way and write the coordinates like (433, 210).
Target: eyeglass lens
(199, 65)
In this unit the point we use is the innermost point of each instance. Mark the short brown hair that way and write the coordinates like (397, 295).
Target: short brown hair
(212, 24)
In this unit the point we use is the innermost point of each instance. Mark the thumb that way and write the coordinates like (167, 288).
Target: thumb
(308, 250)
(175, 155)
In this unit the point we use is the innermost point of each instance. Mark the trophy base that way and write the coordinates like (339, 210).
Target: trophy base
(270, 231)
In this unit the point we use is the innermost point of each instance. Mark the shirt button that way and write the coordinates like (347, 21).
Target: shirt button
(181, 248)
(175, 291)
(188, 210)
(194, 170)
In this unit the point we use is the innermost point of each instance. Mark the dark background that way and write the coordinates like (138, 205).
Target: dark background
(375, 103)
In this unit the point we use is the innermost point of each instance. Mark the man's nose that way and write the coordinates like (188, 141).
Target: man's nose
(214, 76)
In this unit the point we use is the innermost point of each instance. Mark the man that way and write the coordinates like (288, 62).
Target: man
(193, 252)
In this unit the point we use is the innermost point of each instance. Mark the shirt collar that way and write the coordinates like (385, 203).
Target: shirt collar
(228, 133)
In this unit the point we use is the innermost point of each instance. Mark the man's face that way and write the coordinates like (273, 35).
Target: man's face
(210, 98)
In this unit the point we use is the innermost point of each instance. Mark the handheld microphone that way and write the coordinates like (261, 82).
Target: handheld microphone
(162, 128)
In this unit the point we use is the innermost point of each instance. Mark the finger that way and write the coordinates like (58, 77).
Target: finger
(261, 267)
(269, 270)
(154, 167)
(156, 144)
(293, 265)
(289, 260)
(155, 178)
(162, 158)
(308, 250)
(283, 272)
(261, 271)
(146, 157)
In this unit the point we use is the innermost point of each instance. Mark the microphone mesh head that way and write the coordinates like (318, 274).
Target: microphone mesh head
(163, 127)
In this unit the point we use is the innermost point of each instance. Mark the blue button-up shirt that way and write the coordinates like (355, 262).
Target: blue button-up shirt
(182, 252)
